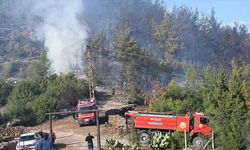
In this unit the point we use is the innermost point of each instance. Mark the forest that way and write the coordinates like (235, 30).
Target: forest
(196, 63)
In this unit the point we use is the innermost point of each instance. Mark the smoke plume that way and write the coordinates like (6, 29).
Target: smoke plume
(57, 23)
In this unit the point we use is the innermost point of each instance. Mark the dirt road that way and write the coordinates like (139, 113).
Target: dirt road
(70, 136)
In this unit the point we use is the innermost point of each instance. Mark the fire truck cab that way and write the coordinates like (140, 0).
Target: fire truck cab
(85, 118)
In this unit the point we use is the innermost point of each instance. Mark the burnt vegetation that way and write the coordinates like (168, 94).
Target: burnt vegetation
(201, 64)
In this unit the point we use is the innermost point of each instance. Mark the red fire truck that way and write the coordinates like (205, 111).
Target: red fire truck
(86, 117)
(195, 124)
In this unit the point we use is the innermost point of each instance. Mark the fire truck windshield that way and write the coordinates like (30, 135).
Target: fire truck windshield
(204, 121)
(87, 108)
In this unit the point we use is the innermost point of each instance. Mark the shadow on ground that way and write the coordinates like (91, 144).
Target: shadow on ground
(59, 146)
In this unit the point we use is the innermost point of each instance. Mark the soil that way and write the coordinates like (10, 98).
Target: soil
(70, 136)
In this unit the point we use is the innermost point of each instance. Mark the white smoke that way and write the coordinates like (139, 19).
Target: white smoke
(59, 26)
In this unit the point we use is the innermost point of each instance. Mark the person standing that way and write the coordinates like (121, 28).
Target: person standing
(38, 141)
(89, 141)
(46, 143)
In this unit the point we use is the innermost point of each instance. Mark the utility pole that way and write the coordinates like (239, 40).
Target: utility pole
(50, 125)
(90, 73)
(92, 92)
(98, 131)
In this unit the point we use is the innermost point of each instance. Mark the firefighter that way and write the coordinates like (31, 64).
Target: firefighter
(89, 141)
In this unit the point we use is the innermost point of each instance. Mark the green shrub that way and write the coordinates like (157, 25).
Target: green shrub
(159, 141)
(45, 94)
(134, 138)
(43, 105)
(113, 145)
(177, 140)
(5, 90)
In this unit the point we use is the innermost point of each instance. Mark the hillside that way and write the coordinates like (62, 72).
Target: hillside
(53, 53)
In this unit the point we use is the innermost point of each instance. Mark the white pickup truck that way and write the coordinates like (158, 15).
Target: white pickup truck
(26, 141)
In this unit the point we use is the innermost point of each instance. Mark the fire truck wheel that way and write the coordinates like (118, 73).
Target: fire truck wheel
(144, 137)
(198, 142)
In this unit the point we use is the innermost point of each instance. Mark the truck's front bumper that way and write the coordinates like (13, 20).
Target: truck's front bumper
(86, 121)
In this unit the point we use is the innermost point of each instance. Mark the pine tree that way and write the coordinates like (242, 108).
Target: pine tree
(167, 39)
(225, 105)
(101, 56)
(234, 132)
(129, 55)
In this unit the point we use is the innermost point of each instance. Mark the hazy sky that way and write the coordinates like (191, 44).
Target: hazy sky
(227, 11)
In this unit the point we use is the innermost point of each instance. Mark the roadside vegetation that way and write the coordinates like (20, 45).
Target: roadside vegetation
(224, 98)
(44, 92)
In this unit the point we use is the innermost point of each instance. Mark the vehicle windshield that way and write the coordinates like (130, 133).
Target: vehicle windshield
(27, 138)
(87, 108)
(204, 121)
